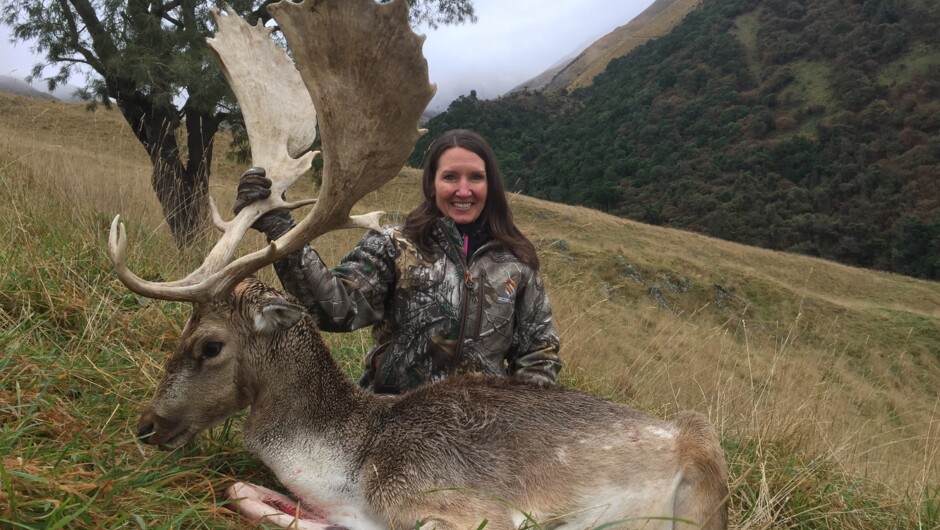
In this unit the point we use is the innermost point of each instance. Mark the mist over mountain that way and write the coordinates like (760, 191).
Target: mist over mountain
(14, 85)
(805, 126)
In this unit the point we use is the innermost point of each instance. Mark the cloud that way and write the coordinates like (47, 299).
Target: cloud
(515, 40)
(18, 58)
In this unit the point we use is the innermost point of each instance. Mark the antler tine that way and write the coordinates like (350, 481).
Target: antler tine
(281, 123)
(179, 291)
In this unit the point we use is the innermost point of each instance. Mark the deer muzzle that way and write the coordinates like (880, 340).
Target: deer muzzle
(153, 429)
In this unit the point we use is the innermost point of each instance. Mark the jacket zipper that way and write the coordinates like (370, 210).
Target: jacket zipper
(481, 281)
(469, 283)
(468, 290)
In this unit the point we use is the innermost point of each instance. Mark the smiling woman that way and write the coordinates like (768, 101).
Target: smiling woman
(457, 289)
(460, 185)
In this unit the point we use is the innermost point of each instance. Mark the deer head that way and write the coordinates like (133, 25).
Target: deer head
(211, 375)
(360, 65)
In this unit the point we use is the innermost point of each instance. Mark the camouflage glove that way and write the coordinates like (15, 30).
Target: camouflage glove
(255, 186)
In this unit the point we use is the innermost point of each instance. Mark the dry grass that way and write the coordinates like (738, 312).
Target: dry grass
(822, 380)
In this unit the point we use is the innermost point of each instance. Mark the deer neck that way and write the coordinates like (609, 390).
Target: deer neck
(297, 386)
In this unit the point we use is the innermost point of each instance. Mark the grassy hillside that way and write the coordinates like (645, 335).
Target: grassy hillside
(822, 379)
(805, 126)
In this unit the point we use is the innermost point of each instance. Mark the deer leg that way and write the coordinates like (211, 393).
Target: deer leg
(260, 504)
(702, 494)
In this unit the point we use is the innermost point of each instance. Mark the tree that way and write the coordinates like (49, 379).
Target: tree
(151, 59)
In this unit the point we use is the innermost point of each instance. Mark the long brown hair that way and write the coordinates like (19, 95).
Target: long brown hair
(496, 213)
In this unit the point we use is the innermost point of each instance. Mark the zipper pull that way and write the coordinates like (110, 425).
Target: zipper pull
(469, 279)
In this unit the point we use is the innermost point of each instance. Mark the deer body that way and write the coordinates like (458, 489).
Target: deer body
(448, 455)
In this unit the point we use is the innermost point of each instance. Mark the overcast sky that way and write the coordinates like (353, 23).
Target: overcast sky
(512, 41)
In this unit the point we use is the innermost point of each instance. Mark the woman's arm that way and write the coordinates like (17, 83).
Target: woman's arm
(350, 296)
(534, 355)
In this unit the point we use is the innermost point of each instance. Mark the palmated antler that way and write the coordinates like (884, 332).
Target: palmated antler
(363, 69)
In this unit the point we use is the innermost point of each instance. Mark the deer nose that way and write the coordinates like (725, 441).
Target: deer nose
(145, 427)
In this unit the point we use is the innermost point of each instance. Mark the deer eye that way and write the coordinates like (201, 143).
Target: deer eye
(211, 349)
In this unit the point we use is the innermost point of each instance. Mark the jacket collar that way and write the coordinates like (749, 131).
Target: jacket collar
(448, 235)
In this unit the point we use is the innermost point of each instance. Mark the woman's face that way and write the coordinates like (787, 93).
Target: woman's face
(460, 185)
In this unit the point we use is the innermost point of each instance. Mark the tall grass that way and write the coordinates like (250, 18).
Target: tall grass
(821, 379)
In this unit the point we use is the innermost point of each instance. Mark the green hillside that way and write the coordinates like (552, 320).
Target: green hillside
(806, 126)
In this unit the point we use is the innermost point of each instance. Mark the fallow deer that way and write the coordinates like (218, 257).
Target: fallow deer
(449, 455)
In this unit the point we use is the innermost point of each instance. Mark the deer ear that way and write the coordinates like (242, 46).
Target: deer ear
(277, 316)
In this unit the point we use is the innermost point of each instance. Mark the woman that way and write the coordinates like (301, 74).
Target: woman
(457, 289)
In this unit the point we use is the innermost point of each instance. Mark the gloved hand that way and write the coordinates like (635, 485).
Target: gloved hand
(255, 186)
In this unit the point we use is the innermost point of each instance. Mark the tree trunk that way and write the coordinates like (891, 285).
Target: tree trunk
(182, 189)
(183, 195)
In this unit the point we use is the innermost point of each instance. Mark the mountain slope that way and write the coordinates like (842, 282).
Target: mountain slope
(809, 126)
(579, 69)
(657, 20)
(538, 82)
(12, 85)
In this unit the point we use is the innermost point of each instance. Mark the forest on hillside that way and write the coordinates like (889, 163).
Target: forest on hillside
(797, 125)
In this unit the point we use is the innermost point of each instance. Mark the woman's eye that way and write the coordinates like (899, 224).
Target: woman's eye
(449, 178)
(211, 349)
(478, 177)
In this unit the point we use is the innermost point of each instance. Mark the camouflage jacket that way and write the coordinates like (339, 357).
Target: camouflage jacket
(434, 315)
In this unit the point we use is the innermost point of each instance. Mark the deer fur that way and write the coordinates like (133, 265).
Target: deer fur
(448, 455)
